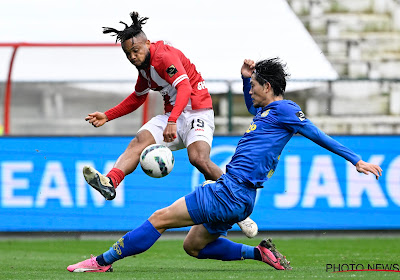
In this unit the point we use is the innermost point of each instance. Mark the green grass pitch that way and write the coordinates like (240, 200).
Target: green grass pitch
(48, 259)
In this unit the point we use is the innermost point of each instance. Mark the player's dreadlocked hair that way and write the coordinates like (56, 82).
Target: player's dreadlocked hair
(273, 71)
(130, 31)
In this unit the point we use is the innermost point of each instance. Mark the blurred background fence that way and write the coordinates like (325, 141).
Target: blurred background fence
(342, 106)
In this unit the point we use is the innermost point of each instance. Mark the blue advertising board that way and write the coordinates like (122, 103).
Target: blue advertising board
(42, 187)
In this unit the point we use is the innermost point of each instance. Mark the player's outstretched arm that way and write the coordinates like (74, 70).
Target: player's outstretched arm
(97, 119)
(366, 168)
(246, 71)
(313, 133)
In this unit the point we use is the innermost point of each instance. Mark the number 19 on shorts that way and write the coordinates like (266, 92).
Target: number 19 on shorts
(197, 123)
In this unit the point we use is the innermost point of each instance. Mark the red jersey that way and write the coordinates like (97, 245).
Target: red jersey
(174, 76)
(168, 68)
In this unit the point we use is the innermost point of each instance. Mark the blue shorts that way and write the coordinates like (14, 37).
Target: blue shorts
(219, 205)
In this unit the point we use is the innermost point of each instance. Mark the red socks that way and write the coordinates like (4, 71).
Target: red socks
(116, 175)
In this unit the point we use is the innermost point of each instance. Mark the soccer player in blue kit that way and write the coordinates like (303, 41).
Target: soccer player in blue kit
(213, 207)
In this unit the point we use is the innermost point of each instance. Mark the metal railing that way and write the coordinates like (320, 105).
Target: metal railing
(335, 103)
(317, 97)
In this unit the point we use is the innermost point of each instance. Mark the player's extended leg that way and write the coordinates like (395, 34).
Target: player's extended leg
(199, 157)
(139, 239)
(200, 244)
(125, 164)
(129, 159)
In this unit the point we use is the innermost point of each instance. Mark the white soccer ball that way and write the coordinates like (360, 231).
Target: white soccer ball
(157, 160)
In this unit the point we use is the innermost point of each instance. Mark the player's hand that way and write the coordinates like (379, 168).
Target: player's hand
(96, 119)
(170, 132)
(365, 167)
(248, 68)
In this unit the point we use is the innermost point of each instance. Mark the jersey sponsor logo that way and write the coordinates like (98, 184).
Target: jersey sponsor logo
(201, 85)
(171, 71)
(252, 127)
(301, 115)
(264, 114)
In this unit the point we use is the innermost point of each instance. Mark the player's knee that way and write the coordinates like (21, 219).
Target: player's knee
(160, 213)
(134, 146)
(138, 144)
(199, 161)
(158, 220)
(190, 249)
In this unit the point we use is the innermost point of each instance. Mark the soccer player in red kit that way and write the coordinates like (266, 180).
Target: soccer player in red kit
(188, 121)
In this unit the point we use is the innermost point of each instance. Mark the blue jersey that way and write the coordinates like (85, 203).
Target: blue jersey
(258, 151)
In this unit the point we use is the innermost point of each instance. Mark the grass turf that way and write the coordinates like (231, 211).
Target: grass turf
(48, 259)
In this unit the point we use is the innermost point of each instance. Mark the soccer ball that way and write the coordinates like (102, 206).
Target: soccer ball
(157, 160)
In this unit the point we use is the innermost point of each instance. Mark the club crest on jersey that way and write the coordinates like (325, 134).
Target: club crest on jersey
(171, 71)
(264, 114)
(301, 115)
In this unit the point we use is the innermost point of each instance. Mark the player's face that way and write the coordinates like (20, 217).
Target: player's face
(137, 50)
(259, 93)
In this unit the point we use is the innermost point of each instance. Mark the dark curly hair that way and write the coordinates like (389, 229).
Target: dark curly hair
(273, 71)
(130, 31)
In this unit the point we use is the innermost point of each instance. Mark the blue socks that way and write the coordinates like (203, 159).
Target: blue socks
(142, 238)
(226, 250)
(134, 242)
(248, 252)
